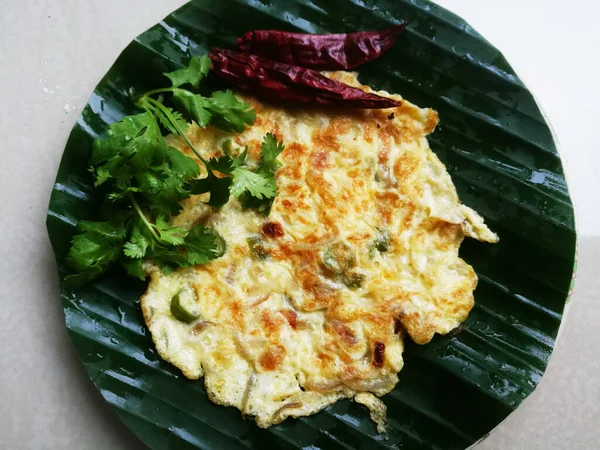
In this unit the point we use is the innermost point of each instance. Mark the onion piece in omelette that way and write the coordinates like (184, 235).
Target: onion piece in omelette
(310, 304)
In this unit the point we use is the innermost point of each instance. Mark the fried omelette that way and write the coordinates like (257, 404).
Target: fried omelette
(310, 304)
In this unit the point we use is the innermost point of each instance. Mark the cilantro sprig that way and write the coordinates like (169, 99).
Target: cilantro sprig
(258, 189)
(255, 187)
(144, 180)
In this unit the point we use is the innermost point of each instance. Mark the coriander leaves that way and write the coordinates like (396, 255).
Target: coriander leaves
(255, 184)
(260, 183)
(194, 106)
(222, 109)
(128, 148)
(196, 71)
(95, 249)
(267, 166)
(144, 180)
(169, 245)
(270, 149)
(228, 112)
(256, 189)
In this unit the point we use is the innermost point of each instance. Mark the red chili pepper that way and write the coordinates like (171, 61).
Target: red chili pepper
(280, 81)
(321, 51)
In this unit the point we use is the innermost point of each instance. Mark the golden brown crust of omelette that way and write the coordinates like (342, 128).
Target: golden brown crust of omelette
(288, 321)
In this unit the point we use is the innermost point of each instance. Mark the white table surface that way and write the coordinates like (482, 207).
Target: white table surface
(53, 52)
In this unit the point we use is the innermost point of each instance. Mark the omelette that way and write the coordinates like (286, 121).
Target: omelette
(311, 303)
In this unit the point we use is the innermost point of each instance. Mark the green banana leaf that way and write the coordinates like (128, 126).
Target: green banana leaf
(502, 158)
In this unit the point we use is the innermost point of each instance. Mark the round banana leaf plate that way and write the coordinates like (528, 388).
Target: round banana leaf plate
(504, 163)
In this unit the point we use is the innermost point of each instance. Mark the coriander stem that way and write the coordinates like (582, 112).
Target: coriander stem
(180, 132)
(160, 91)
(142, 216)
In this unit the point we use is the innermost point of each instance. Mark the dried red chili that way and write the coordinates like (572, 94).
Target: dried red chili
(280, 81)
(321, 51)
(378, 354)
